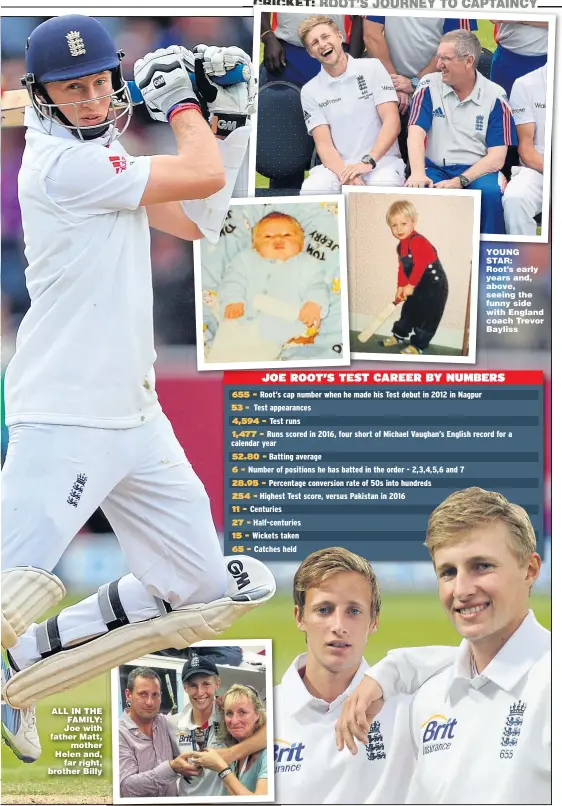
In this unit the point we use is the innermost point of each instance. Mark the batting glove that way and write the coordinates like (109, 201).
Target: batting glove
(228, 106)
(163, 79)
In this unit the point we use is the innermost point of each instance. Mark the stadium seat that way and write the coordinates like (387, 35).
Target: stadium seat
(284, 146)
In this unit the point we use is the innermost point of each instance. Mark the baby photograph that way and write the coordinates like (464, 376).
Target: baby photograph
(272, 292)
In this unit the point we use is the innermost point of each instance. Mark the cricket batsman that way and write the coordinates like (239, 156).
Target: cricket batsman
(86, 427)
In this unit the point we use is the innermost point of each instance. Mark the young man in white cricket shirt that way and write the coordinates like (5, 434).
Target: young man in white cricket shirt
(351, 110)
(200, 725)
(337, 604)
(86, 427)
(522, 199)
(489, 713)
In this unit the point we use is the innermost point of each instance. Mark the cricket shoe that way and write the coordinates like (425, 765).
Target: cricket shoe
(411, 350)
(19, 728)
(391, 341)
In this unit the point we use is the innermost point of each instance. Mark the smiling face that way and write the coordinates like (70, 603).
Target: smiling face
(337, 621)
(201, 690)
(483, 586)
(402, 226)
(278, 238)
(240, 717)
(454, 69)
(83, 101)
(325, 43)
(144, 698)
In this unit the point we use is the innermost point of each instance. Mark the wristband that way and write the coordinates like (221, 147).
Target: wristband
(225, 772)
(269, 31)
(181, 107)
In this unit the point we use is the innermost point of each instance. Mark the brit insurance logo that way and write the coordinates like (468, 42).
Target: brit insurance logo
(288, 756)
(438, 733)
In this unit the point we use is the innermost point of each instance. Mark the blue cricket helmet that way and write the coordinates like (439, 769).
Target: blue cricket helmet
(71, 47)
(68, 47)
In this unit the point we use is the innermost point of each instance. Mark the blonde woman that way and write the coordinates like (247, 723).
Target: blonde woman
(244, 714)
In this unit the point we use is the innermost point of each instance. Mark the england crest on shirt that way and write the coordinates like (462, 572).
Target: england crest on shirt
(513, 724)
(375, 745)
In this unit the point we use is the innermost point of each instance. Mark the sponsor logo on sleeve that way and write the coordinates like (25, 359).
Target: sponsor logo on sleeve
(119, 163)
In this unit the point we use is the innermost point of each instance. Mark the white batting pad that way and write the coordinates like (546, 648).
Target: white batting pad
(250, 584)
(27, 593)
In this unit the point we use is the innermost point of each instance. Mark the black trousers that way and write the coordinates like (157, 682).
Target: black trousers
(423, 310)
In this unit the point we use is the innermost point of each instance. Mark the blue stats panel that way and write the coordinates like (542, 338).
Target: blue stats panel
(310, 467)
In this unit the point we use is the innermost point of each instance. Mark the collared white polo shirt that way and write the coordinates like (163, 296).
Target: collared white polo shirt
(528, 103)
(486, 739)
(308, 766)
(461, 132)
(348, 105)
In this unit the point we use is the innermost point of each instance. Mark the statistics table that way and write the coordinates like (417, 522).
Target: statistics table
(360, 459)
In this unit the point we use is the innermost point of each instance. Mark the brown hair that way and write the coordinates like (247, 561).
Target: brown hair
(309, 23)
(402, 207)
(469, 509)
(322, 564)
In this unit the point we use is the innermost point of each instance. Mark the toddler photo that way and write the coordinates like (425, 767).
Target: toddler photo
(413, 274)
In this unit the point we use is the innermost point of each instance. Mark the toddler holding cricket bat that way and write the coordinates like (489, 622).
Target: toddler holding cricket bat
(422, 282)
(275, 289)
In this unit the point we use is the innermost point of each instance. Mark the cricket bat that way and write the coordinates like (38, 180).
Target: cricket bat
(14, 102)
(379, 320)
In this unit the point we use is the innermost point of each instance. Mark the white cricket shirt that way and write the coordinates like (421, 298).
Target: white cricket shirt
(287, 26)
(526, 40)
(348, 105)
(487, 739)
(85, 349)
(182, 730)
(461, 132)
(528, 103)
(308, 766)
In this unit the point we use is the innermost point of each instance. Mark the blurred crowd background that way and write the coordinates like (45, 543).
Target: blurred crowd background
(192, 400)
